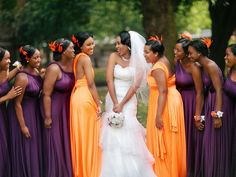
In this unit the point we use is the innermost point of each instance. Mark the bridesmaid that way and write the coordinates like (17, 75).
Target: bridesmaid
(189, 83)
(165, 121)
(229, 102)
(214, 143)
(85, 111)
(57, 86)
(24, 118)
(5, 94)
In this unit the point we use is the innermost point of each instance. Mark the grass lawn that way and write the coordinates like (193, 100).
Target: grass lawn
(142, 108)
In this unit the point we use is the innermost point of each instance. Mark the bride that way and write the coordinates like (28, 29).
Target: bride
(124, 152)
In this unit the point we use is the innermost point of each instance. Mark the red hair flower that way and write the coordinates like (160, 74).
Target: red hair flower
(75, 40)
(207, 41)
(22, 51)
(186, 36)
(55, 47)
(155, 38)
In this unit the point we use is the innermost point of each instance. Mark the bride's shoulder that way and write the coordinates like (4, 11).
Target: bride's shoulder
(113, 58)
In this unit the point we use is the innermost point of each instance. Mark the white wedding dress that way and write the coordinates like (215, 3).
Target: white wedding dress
(124, 152)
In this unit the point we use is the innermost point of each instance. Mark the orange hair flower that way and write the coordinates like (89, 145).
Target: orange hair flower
(22, 51)
(186, 36)
(55, 47)
(52, 46)
(75, 40)
(207, 41)
(155, 38)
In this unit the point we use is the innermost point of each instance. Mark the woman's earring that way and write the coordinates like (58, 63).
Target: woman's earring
(129, 48)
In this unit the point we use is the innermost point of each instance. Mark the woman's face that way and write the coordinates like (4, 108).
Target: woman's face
(88, 46)
(122, 49)
(5, 62)
(179, 52)
(35, 60)
(70, 52)
(149, 55)
(230, 58)
(193, 54)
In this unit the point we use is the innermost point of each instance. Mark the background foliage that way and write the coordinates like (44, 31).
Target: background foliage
(37, 21)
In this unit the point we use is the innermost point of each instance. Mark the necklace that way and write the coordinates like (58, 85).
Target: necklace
(124, 59)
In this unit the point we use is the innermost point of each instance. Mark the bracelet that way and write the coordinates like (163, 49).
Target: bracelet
(218, 114)
(199, 118)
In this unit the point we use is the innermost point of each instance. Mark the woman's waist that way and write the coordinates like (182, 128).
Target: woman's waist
(122, 83)
(81, 83)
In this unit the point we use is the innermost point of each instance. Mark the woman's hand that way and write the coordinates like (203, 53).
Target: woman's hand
(199, 125)
(118, 108)
(99, 111)
(48, 122)
(217, 122)
(42, 72)
(26, 132)
(14, 92)
(159, 122)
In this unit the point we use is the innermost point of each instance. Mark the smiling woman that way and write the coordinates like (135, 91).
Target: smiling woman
(5, 94)
(85, 110)
(124, 152)
(229, 106)
(24, 117)
(57, 87)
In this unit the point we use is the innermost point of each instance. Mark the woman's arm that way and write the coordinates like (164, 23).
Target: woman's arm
(87, 67)
(216, 81)
(110, 77)
(51, 75)
(12, 73)
(118, 108)
(22, 81)
(160, 78)
(196, 74)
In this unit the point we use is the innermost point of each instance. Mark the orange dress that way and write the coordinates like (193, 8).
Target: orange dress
(167, 145)
(84, 130)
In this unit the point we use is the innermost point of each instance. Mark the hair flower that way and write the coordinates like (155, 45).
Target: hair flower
(55, 47)
(22, 51)
(186, 36)
(155, 38)
(207, 41)
(75, 40)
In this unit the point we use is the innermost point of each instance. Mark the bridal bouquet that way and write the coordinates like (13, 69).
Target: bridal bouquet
(116, 120)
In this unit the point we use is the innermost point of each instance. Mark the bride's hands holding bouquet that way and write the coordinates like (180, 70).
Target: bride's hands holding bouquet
(118, 107)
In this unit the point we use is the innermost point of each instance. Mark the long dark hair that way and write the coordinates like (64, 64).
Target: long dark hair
(26, 52)
(156, 45)
(2, 53)
(233, 48)
(185, 43)
(200, 47)
(125, 38)
(79, 39)
(58, 47)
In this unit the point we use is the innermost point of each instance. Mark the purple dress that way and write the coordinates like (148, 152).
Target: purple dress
(26, 154)
(56, 139)
(186, 87)
(230, 112)
(4, 150)
(215, 141)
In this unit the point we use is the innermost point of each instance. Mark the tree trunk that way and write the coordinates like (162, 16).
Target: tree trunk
(223, 15)
(158, 19)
